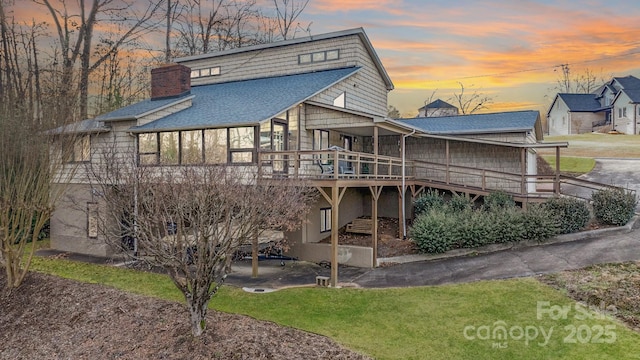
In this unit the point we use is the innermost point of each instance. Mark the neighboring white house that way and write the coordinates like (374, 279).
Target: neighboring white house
(626, 112)
(610, 107)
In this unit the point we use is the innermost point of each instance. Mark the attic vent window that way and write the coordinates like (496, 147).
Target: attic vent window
(319, 56)
(212, 71)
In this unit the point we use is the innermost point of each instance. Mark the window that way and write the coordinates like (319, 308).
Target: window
(212, 71)
(80, 150)
(320, 139)
(241, 144)
(191, 147)
(215, 146)
(319, 56)
(169, 148)
(340, 100)
(148, 148)
(624, 112)
(325, 219)
(92, 220)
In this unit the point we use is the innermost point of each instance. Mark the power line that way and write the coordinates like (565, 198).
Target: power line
(538, 68)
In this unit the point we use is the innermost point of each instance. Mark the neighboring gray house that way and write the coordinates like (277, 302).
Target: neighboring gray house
(285, 109)
(437, 108)
(613, 106)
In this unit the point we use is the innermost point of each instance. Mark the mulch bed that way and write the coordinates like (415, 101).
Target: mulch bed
(54, 318)
(389, 244)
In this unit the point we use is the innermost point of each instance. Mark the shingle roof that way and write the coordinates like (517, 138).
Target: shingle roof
(581, 102)
(135, 110)
(248, 101)
(628, 82)
(88, 126)
(438, 104)
(476, 123)
(634, 94)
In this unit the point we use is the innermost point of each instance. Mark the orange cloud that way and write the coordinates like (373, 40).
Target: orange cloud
(350, 5)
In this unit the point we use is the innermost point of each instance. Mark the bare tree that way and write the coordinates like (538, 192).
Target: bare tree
(584, 82)
(287, 11)
(393, 112)
(191, 220)
(27, 168)
(471, 103)
(75, 28)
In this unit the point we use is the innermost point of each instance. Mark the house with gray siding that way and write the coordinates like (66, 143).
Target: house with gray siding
(313, 109)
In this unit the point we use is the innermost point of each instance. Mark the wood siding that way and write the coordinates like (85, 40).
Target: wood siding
(369, 93)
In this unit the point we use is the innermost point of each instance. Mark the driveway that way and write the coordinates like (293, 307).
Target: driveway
(619, 172)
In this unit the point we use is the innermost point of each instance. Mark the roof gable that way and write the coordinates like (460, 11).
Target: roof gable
(438, 104)
(247, 102)
(350, 32)
(627, 82)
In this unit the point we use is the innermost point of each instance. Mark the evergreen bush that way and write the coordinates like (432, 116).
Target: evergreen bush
(614, 206)
(571, 214)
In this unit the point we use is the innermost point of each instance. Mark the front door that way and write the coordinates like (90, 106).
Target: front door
(279, 142)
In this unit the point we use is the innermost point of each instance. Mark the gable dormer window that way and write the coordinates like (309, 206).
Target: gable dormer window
(210, 71)
(319, 56)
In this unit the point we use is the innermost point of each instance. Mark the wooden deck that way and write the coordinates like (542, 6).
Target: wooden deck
(356, 169)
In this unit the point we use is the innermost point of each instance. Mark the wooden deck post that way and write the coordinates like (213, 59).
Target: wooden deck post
(335, 204)
(254, 256)
(375, 195)
(400, 205)
(375, 152)
(556, 182)
(523, 171)
(448, 160)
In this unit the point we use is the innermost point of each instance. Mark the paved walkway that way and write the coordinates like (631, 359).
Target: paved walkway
(567, 252)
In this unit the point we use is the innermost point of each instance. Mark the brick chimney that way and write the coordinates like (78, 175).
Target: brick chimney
(171, 80)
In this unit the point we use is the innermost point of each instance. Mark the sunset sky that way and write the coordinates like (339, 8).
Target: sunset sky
(510, 50)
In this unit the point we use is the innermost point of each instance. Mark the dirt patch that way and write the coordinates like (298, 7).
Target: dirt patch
(389, 244)
(54, 318)
(612, 288)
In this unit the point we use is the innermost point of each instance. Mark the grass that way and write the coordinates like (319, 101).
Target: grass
(571, 164)
(407, 323)
(597, 145)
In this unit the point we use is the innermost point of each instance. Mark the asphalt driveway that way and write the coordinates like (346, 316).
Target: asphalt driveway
(619, 172)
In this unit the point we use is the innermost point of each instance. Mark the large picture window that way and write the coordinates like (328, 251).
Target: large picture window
(169, 153)
(215, 146)
(193, 147)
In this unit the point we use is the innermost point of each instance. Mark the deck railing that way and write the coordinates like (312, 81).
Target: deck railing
(349, 165)
(330, 164)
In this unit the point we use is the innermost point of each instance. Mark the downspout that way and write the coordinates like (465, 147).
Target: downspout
(135, 199)
(404, 190)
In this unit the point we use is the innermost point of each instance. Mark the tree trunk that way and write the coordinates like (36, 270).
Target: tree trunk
(198, 312)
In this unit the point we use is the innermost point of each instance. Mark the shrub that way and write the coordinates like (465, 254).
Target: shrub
(571, 214)
(540, 224)
(474, 229)
(433, 231)
(432, 199)
(506, 224)
(614, 206)
(460, 203)
(498, 200)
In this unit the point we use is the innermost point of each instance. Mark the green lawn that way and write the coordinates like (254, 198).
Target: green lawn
(570, 164)
(596, 145)
(408, 323)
